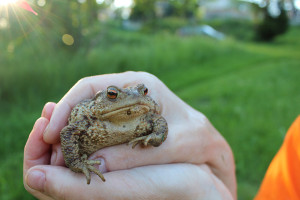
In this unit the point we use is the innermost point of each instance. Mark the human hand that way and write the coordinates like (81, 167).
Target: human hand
(195, 162)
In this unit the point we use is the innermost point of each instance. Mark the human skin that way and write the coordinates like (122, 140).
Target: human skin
(195, 162)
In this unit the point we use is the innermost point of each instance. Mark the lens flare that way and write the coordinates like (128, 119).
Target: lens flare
(20, 3)
(6, 2)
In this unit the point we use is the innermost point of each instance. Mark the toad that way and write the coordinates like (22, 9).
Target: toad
(114, 116)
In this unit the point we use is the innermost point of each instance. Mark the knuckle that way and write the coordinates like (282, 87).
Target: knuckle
(143, 75)
(83, 81)
(148, 79)
(54, 190)
(198, 122)
(148, 76)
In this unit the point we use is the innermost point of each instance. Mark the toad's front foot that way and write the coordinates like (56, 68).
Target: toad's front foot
(86, 166)
(153, 139)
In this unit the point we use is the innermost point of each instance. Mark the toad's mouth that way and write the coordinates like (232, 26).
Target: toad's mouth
(126, 112)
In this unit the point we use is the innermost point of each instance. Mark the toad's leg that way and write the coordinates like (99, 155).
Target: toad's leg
(69, 137)
(157, 137)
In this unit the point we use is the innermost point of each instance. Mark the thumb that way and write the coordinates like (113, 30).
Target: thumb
(172, 181)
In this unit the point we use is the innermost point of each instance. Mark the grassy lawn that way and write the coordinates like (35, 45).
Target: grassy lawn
(250, 91)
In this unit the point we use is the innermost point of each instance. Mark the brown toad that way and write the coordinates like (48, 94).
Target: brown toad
(112, 117)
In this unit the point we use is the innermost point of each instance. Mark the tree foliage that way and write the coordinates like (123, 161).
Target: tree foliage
(72, 17)
(271, 26)
(54, 19)
(184, 8)
(143, 10)
(146, 9)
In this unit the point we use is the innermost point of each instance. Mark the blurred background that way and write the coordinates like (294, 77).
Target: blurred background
(238, 62)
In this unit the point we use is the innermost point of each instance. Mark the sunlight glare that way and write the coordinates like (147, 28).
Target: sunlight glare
(6, 2)
(297, 4)
(122, 3)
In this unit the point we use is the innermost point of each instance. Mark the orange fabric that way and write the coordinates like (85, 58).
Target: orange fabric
(282, 179)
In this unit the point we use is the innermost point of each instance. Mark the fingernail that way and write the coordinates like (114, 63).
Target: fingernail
(102, 166)
(46, 129)
(36, 179)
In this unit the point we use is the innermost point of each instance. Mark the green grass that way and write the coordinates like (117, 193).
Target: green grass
(250, 91)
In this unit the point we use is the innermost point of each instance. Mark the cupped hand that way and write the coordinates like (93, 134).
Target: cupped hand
(195, 162)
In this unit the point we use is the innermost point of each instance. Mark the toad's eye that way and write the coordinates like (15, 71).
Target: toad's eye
(112, 93)
(145, 91)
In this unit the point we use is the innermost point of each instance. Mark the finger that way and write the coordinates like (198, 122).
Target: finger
(32, 156)
(57, 156)
(48, 109)
(87, 87)
(175, 181)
